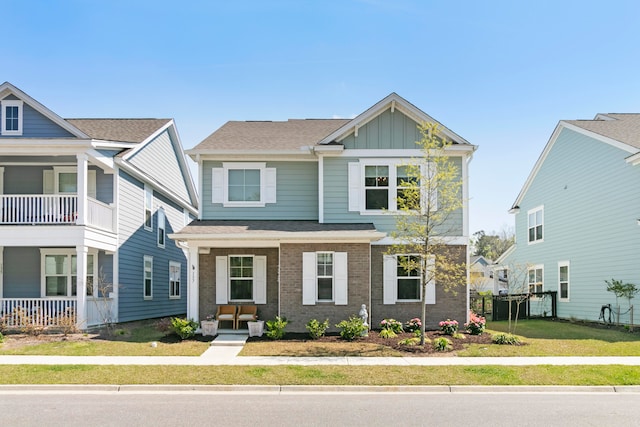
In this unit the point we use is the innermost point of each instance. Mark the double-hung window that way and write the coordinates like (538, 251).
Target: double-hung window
(324, 278)
(535, 279)
(377, 185)
(11, 117)
(174, 279)
(148, 208)
(59, 273)
(147, 277)
(161, 228)
(408, 276)
(243, 184)
(241, 278)
(535, 224)
(563, 280)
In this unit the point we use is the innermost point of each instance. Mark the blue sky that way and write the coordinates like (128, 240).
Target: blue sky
(499, 73)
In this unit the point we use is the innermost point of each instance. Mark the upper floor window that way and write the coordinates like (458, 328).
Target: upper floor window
(11, 117)
(385, 185)
(535, 224)
(148, 208)
(243, 184)
(161, 228)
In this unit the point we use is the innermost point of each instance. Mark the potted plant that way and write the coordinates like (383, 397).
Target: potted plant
(256, 327)
(209, 326)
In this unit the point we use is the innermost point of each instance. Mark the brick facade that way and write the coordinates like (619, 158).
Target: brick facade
(207, 280)
(448, 305)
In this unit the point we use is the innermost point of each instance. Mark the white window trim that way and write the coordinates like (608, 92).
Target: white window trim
(568, 265)
(532, 211)
(220, 184)
(340, 289)
(147, 190)
(162, 230)
(179, 281)
(11, 103)
(333, 277)
(146, 258)
(259, 279)
(390, 282)
(536, 267)
(253, 268)
(357, 192)
(418, 277)
(68, 252)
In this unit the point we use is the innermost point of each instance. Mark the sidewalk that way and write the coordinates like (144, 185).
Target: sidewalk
(228, 355)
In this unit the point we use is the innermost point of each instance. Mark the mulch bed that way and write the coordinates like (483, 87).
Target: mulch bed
(374, 338)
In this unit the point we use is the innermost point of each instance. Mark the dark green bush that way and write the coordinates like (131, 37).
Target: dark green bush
(442, 344)
(352, 328)
(505, 339)
(183, 327)
(317, 329)
(275, 328)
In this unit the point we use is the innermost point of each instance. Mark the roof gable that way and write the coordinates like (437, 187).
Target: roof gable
(8, 90)
(392, 103)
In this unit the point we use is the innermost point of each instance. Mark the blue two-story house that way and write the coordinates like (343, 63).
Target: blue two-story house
(86, 207)
(295, 218)
(577, 218)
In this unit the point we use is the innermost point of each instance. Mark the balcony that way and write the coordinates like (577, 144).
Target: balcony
(51, 209)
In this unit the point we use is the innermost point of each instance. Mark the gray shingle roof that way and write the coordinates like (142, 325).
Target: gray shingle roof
(624, 128)
(265, 227)
(120, 130)
(289, 135)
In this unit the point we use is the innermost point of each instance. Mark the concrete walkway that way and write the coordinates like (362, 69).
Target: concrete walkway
(225, 348)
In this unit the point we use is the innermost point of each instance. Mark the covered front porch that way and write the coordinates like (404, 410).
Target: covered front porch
(67, 287)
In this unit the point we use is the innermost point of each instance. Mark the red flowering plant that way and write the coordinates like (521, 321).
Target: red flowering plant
(476, 324)
(413, 325)
(449, 327)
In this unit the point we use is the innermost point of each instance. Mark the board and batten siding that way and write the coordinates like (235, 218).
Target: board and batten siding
(160, 160)
(591, 210)
(36, 125)
(135, 242)
(387, 131)
(336, 199)
(296, 194)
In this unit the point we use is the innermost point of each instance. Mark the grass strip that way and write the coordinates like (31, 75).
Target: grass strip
(322, 375)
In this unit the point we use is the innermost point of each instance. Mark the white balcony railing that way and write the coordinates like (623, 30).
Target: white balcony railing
(23, 312)
(22, 209)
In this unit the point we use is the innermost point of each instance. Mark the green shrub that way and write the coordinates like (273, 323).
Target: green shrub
(449, 327)
(504, 338)
(442, 344)
(275, 328)
(183, 327)
(387, 333)
(410, 342)
(391, 324)
(459, 336)
(352, 328)
(413, 325)
(317, 329)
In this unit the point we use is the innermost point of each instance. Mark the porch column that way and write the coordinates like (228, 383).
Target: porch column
(193, 294)
(82, 189)
(81, 286)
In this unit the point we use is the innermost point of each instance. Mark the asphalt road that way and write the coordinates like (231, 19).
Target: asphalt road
(176, 408)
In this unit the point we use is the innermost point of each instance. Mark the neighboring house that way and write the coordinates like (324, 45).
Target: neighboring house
(480, 274)
(86, 206)
(294, 219)
(577, 217)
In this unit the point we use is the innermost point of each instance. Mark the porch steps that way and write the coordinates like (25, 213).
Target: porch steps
(224, 339)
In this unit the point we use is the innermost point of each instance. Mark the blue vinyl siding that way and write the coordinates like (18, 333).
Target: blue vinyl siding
(336, 199)
(387, 131)
(159, 159)
(591, 208)
(296, 194)
(35, 125)
(135, 242)
(21, 276)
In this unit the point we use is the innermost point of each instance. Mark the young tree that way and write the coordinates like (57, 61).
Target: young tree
(429, 195)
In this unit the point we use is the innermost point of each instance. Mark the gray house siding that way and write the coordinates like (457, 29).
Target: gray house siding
(21, 272)
(35, 125)
(160, 160)
(591, 210)
(136, 242)
(296, 194)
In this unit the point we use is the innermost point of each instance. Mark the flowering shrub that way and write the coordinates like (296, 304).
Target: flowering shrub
(476, 324)
(449, 327)
(413, 325)
(392, 324)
